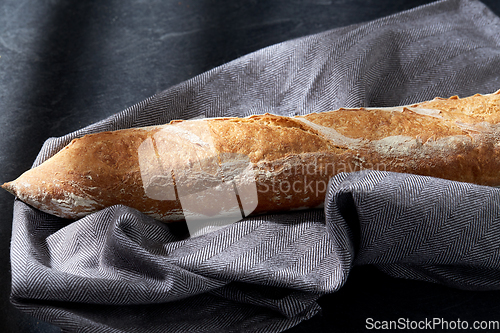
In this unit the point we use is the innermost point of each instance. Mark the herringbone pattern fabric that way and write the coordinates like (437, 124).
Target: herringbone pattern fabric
(119, 271)
(419, 227)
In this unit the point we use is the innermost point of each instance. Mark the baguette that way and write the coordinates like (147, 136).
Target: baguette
(273, 163)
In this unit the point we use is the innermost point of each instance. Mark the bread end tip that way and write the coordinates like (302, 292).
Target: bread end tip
(9, 187)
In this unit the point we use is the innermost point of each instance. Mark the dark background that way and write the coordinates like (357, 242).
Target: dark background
(65, 64)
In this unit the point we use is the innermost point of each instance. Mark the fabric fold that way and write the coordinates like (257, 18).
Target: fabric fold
(419, 227)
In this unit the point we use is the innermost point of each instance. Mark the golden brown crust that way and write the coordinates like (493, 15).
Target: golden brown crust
(378, 124)
(473, 109)
(290, 160)
(284, 136)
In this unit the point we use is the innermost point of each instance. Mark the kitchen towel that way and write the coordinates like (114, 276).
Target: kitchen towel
(120, 271)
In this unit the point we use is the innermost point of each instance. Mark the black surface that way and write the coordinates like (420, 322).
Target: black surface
(67, 64)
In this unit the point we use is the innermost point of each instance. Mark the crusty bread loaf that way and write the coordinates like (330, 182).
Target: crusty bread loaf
(273, 163)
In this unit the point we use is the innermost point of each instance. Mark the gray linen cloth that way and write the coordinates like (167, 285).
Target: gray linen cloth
(119, 271)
